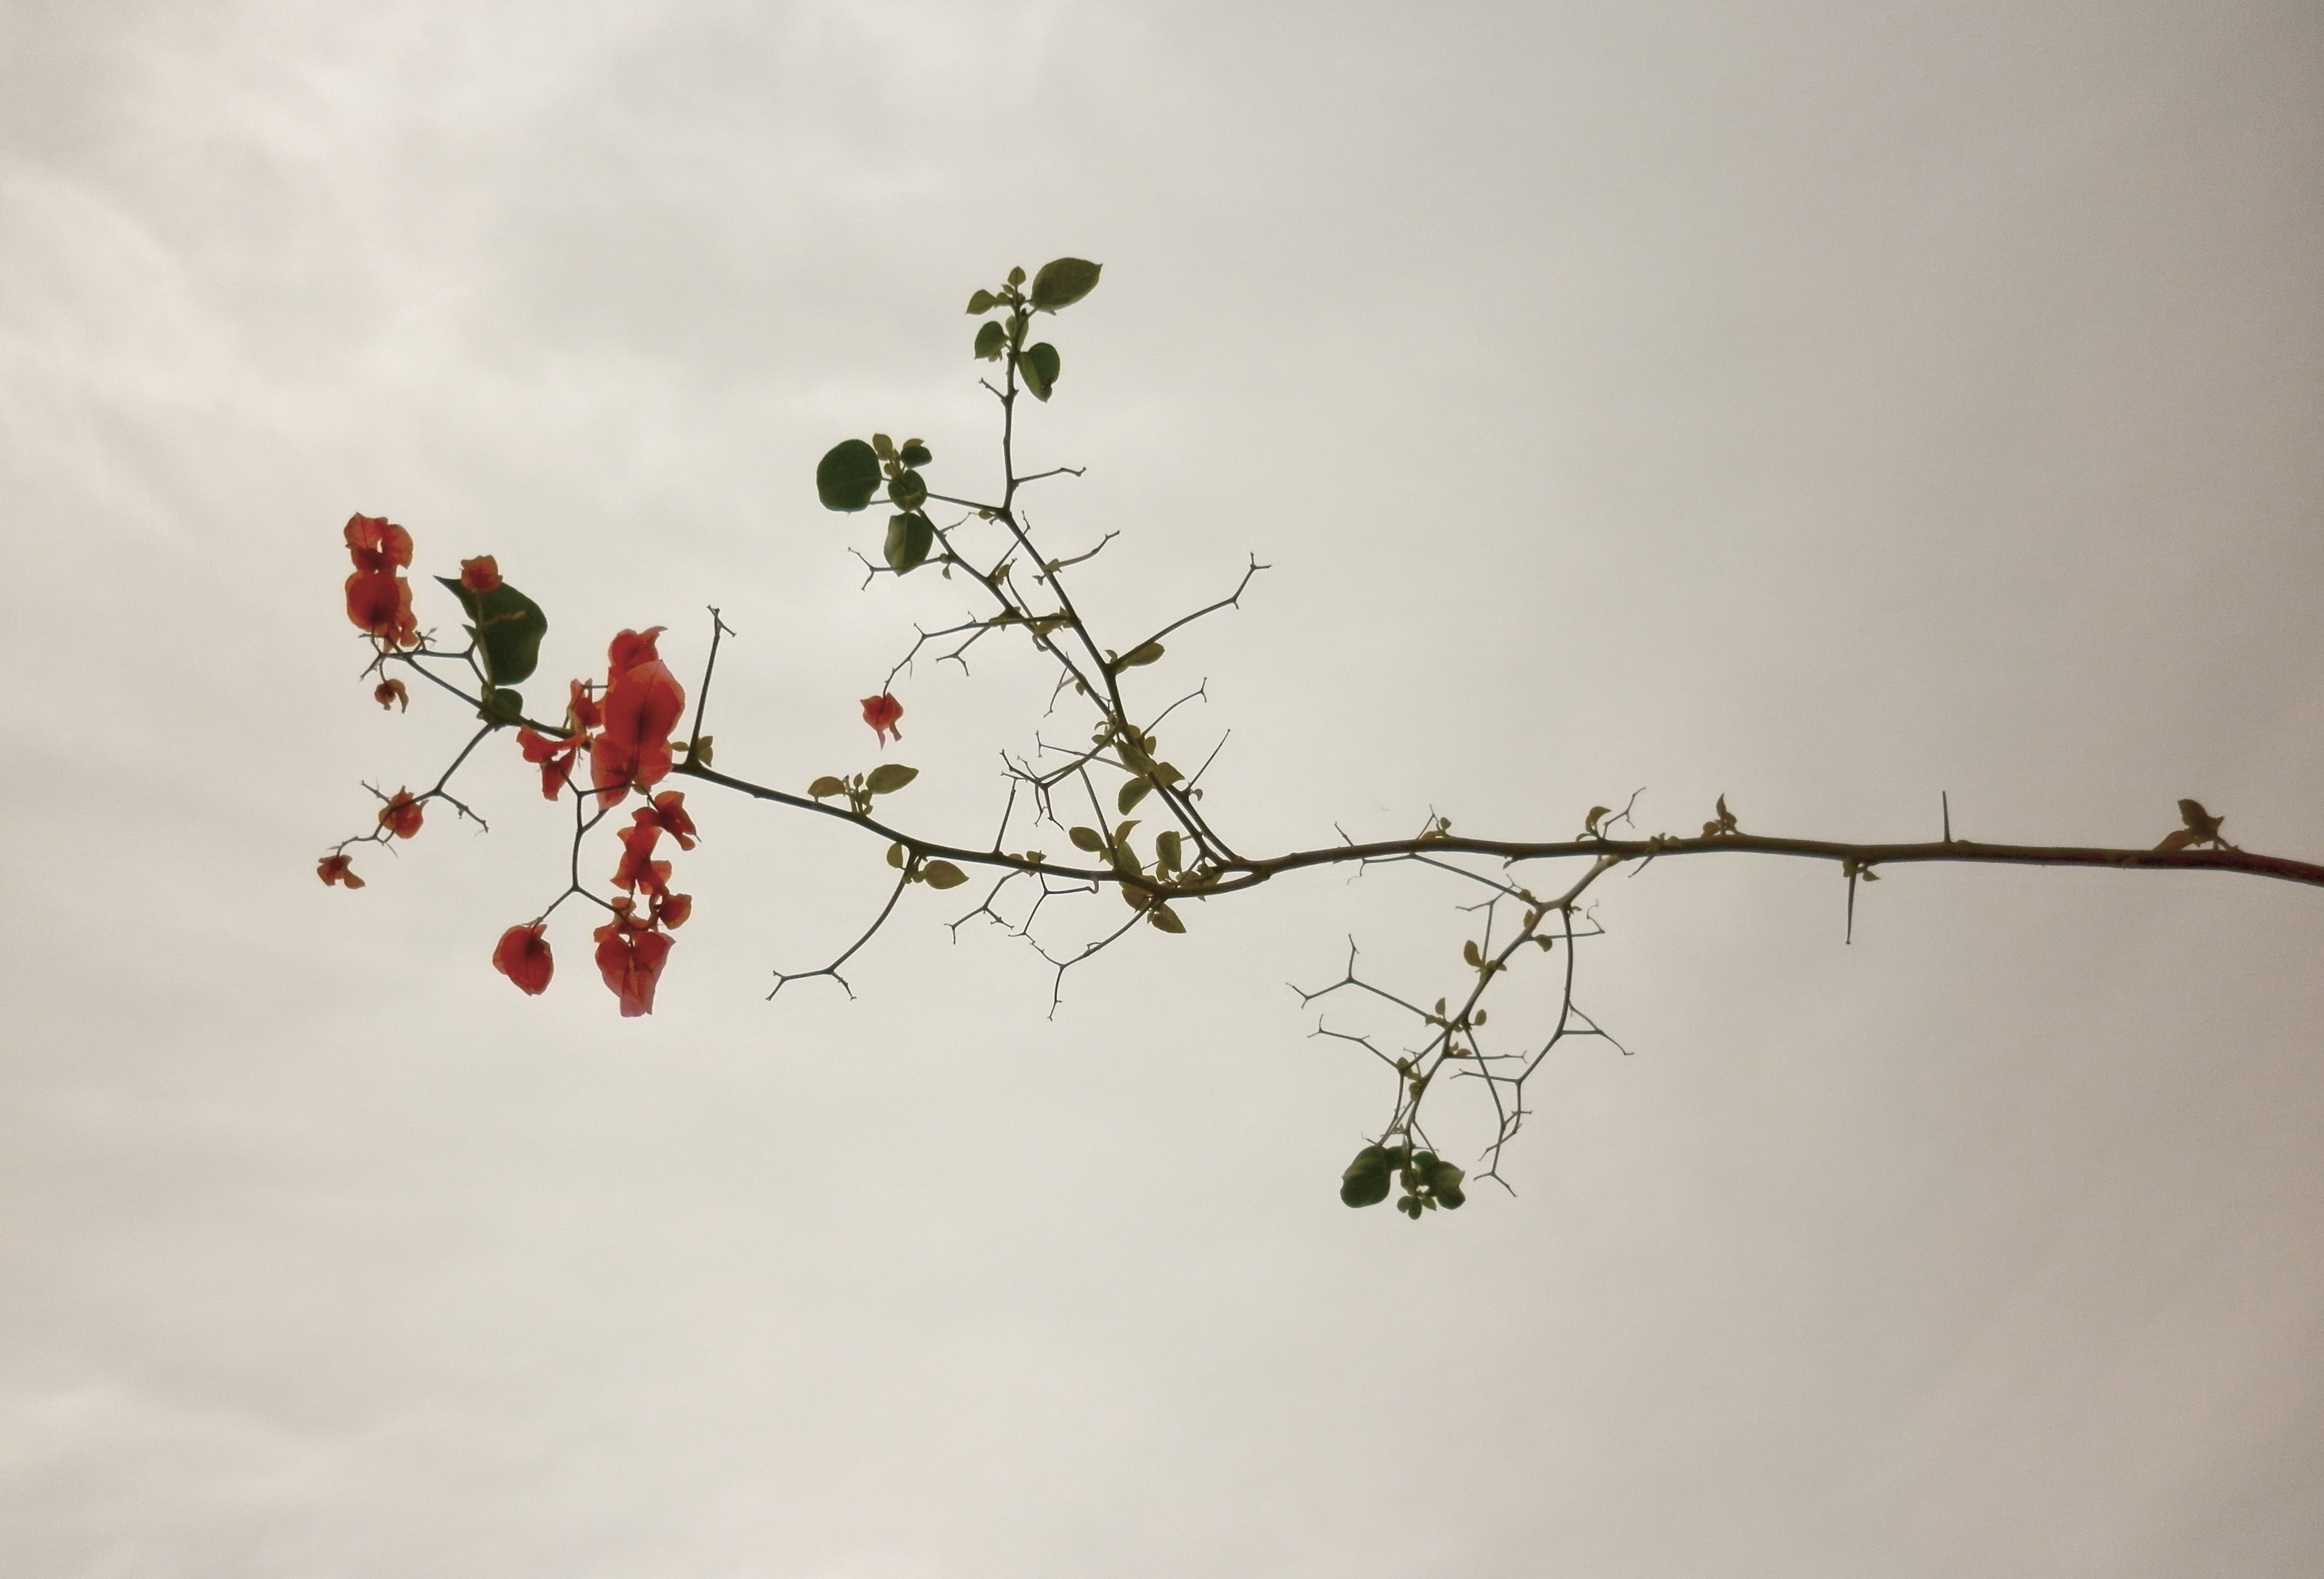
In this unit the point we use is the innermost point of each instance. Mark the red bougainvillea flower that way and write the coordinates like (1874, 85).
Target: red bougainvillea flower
(400, 815)
(643, 704)
(391, 694)
(880, 712)
(480, 575)
(379, 601)
(583, 710)
(670, 812)
(377, 543)
(555, 757)
(523, 957)
(630, 957)
(338, 869)
(671, 909)
(639, 869)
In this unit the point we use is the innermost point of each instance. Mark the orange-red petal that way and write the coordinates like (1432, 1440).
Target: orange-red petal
(480, 575)
(390, 692)
(402, 814)
(377, 543)
(337, 869)
(881, 713)
(522, 957)
(630, 958)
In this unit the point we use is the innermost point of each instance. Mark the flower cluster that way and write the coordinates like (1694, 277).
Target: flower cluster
(379, 601)
(624, 724)
(625, 728)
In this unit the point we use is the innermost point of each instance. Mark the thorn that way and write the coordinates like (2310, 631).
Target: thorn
(1946, 801)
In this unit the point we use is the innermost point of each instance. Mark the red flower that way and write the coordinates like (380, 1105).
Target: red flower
(522, 957)
(880, 712)
(630, 957)
(671, 909)
(584, 711)
(481, 575)
(670, 812)
(379, 601)
(377, 543)
(390, 693)
(638, 867)
(400, 815)
(555, 757)
(643, 704)
(337, 869)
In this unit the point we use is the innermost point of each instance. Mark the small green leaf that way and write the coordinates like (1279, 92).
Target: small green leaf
(1088, 839)
(1167, 856)
(847, 476)
(908, 490)
(827, 785)
(1131, 794)
(1365, 1182)
(914, 452)
(943, 875)
(508, 628)
(1470, 955)
(1140, 657)
(1039, 368)
(1016, 277)
(890, 776)
(982, 301)
(1063, 281)
(898, 855)
(883, 446)
(1445, 1182)
(991, 339)
(501, 706)
(910, 539)
(1164, 919)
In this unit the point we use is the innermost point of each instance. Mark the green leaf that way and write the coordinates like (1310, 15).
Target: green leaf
(908, 490)
(1039, 368)
(910, 539)
(1063, 281)
(508, 628)
(890, 776)
(1088, 839)
(883, 446)
(1365, 1182)
(942, 875)
(982, 301)
(501, 706)
(1138, 657)
(898, 855)
(1016, 277)
(827, 785)
(1167, 856)
(990, 337)
(847, 476)
(1131, 794)
(914, 452)
(1470, 955)
(1444, 1181)
(1164, 919)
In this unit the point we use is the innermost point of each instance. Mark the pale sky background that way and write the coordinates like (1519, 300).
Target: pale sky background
(1825, 405)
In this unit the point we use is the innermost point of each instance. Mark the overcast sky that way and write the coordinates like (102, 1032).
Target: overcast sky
(1828, 405)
